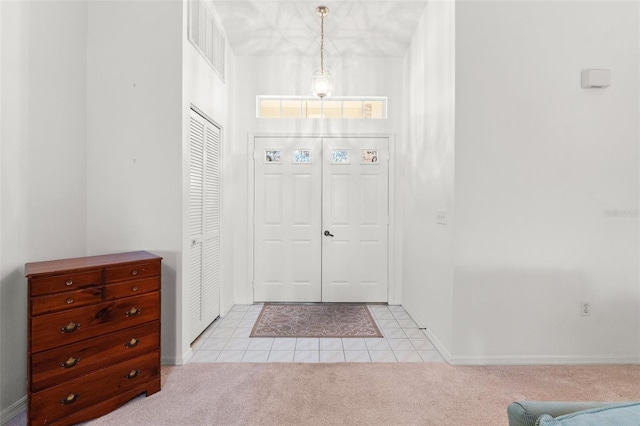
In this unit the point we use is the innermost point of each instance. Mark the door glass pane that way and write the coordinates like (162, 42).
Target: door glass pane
(301, 156)
(291, 109)
(369, 155)
(273, 156)
(332, 109)
(270, 108)
(340, 156)
(352, 109)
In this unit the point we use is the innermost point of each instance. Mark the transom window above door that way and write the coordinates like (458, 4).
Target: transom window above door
(309, 107)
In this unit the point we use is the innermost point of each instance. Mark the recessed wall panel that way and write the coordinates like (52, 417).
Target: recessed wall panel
(340, 265)
(340, 199)
(304, 262)
(370, 203)
(370, 262)
(302, 199)
(272, 199)
(270, 263)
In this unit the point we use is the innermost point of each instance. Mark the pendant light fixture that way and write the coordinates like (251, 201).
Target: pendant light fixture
(321, 84)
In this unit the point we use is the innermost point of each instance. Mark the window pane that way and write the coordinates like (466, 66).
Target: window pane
(273, 156)
(332, 109)
(373, 109)
(352, 109)
(340, 156)
(369, 155)
(301, 156)
(290, 109)
(337, 108)
(312, 109)
(269, 108)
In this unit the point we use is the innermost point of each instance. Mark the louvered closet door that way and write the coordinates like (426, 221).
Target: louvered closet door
(204, 223)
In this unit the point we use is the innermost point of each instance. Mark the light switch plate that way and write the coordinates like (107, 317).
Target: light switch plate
(596, 78)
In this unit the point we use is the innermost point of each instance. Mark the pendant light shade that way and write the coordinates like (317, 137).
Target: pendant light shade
(322, 84)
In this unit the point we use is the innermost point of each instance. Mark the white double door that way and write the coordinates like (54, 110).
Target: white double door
(321, 219)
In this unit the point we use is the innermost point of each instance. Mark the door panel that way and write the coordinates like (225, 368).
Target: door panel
(287, 227)
(356, 213)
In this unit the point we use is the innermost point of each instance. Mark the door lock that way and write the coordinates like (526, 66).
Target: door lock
(328, 234)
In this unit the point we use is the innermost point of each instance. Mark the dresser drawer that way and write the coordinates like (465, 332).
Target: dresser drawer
(136, 271)
(70, 326)
(56, 402)
(71, 361)
(131, 288)
(66, 282)
(67, 300)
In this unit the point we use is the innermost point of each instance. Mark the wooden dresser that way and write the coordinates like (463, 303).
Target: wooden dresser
(93, 335)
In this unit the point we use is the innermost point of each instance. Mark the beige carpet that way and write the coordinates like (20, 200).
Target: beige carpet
(364, 394)
(315, 320)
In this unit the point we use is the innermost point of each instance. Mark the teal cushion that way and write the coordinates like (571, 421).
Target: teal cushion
(615, 415)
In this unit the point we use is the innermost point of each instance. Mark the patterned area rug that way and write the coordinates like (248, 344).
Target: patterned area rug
(315, 320)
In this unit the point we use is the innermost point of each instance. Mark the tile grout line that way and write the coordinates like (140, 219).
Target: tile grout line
(394, 353)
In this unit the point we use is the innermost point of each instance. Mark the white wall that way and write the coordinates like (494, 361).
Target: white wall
(92, 143)
(134, 140)
(291, 76)
(203, 88)
(539, 161)
(427, 158)
(43, 168)
(142, 84)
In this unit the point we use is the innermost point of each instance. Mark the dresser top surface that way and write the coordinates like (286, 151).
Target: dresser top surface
(83, 263)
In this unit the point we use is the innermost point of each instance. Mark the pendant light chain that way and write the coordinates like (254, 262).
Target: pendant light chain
(322, 43)
(321, 84)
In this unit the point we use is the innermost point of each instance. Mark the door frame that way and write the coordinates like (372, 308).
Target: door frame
(394, 277)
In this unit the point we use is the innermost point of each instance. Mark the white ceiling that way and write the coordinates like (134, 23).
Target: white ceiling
(292, 28)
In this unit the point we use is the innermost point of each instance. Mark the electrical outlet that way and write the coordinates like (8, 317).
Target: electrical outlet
(441, 217)
(585, 309)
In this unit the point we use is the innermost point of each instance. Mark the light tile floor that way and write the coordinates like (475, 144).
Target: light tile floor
(227, 340)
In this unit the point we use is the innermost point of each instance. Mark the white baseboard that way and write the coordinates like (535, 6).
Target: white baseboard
(169, 360)
(224, 310)
(545, 360)
(186, 356)
(444, 352)
(247, 301)
(13, 410)
(181, 360)
(597, 359)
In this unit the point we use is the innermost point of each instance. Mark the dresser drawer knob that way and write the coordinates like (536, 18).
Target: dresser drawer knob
(69, 301)
(69, 282)
(71, 398)
(132, 343)
(134, 288)
(71, 362)
(133, 312)
(132, 374)
(134, 272)
(71, 327)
